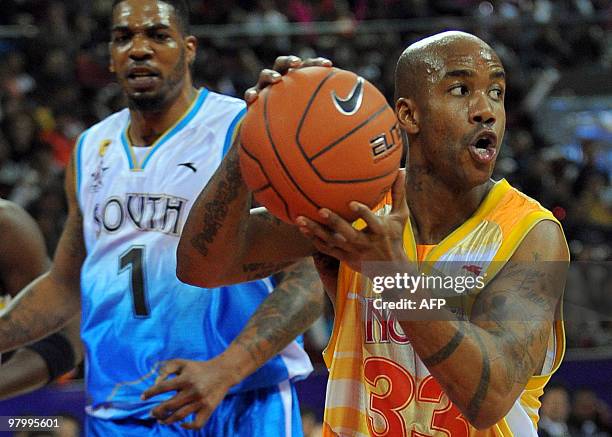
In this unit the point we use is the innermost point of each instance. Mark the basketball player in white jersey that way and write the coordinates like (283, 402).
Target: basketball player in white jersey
(131, 182)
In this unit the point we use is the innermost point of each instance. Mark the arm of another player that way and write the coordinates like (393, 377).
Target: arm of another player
(222, 242)
(23, 256)
(27, 370)
(52, 300)
(22, 259)
(296, 302)
(482, 364)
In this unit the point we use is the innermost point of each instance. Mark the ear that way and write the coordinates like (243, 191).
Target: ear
(407, 115)
(191, 44)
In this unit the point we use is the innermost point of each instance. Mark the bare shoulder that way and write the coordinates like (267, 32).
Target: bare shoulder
(545, 242)
(10, 213)
(15, 221)
(23, 254)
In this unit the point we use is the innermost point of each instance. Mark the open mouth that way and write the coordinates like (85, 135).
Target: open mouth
(484, 147)
(142, 77)
(138, 74)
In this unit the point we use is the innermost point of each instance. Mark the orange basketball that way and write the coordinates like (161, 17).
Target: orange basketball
(322, 137)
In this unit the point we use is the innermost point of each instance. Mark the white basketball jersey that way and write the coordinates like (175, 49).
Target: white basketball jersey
(136, 313)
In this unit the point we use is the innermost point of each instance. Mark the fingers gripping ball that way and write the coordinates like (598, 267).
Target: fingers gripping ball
(322, 137)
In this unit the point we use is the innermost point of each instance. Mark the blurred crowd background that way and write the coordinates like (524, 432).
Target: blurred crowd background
(54, 83)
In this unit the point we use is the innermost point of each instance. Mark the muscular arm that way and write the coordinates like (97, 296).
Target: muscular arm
(22, 259)
(27, 371)
(52, 300)
(484, 364)
(223, 242)
(23, 255)
(295, 303)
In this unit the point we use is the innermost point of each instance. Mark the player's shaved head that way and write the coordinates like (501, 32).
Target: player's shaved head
(424, 62)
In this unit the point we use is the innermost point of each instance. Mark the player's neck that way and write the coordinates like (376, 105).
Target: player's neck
(436, 208)
(147, 126)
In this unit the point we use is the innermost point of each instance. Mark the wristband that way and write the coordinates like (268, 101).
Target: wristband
(57, 352)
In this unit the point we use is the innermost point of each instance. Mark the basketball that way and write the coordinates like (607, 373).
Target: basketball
(321, 137)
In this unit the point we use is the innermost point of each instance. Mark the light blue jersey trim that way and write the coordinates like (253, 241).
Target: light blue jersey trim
(231, 130)
(126, 146)
(79, 162)
(180, 124)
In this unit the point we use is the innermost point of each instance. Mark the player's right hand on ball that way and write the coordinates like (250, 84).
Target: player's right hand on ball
(281, 66)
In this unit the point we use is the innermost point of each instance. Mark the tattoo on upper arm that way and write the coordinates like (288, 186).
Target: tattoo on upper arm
(294, 305)
(475, 404)
(519, 316)
(216, 210)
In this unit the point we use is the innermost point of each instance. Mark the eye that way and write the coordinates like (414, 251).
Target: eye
(161, 36)
(459, 90)
(121, 38)
(496, 93)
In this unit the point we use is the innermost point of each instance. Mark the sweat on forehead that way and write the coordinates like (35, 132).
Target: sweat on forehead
(427, 58)
(180, 8)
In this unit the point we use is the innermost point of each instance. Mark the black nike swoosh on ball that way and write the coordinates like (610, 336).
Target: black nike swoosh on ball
(352, 103)
(189, 165)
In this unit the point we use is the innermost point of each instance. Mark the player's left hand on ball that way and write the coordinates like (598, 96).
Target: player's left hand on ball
(282, 64)
(381, 240)
(200, 386)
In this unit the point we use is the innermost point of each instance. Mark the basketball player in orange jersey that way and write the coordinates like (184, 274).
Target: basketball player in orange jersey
(476, 374)
(22, 259)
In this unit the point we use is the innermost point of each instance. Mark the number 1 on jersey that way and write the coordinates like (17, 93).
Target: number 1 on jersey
(133, 260)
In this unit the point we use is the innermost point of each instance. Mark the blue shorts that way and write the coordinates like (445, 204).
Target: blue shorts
(265, 412)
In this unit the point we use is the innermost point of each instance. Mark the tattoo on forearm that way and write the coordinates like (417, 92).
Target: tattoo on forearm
(263, 270)
(293, 306)
(446, 351)
(216, 210)
(25, 325)
(269, 218)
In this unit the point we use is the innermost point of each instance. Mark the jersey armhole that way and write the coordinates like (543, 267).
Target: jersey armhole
(232, 130)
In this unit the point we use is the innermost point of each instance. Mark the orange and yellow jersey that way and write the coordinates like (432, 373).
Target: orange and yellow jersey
(378, 386)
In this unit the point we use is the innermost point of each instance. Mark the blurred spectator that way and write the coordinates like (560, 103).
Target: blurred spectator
(311, 426)
(56, 82)
(554, 412)
(590, 416)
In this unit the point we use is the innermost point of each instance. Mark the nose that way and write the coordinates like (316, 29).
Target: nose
(481, 111)
(140, 48)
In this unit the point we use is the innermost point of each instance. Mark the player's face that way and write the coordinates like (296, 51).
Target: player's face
(463, 119)
(149, 53)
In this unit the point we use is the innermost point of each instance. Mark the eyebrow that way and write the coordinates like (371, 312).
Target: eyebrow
(497, 74)
(459, 73)
(153, 27)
